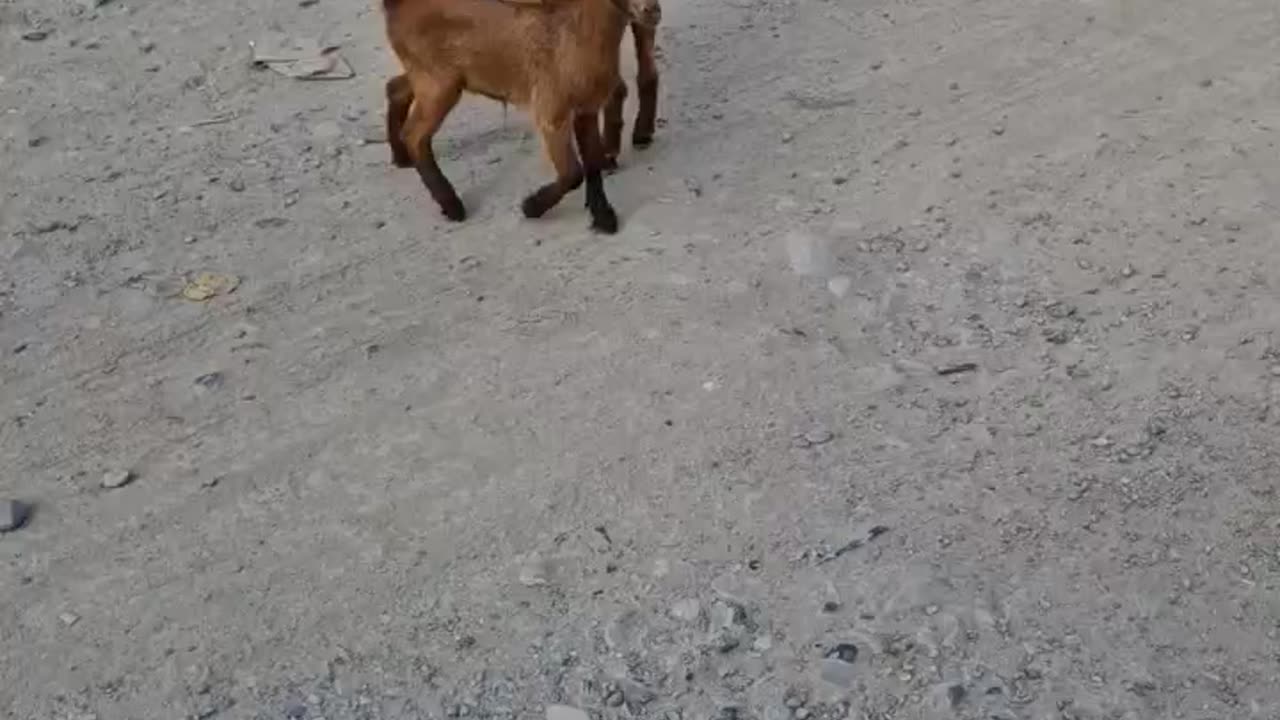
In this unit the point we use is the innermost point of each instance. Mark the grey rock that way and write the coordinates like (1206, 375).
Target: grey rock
(566, 712)
(727, 615)
(838, 672)
(809, 254)
(117, 479)
(535, 572)
(840, 285)
(13, 515)
(687, 610)
(210, 381)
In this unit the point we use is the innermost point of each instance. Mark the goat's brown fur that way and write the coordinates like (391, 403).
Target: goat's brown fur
(558, 58)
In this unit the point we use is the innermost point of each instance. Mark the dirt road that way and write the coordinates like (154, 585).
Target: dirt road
(935, 373)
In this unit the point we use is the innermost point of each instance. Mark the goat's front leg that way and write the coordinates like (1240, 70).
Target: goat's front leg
(431, 104)
(558, 144)
(646, 84)
(587, 128)
(399, 98)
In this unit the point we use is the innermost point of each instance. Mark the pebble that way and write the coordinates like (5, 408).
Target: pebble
(840, 285)
(819, 436)
(727, 615)
(295, 711)
(844, 652)
(69, 618)
(1275, 370)
(535, 572)
(837, 672)
(13, 515)
(956, 368)
(687, 610)
(566, 712)
(808, 253)
(210, 381)
(117, 479)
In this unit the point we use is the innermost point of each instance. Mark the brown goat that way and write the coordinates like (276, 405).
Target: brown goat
(559, 59)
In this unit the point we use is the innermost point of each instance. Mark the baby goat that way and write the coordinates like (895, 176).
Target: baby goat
(559, 59)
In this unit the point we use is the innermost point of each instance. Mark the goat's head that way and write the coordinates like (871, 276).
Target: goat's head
(645, 12)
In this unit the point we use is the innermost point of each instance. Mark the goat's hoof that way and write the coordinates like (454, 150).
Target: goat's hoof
(641, 141)
(401, 161)
(535, 205)
(454, 210)
(604, 221)
(610, 164)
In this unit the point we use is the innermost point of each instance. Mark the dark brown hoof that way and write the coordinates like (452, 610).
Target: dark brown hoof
(610, 164)
(454, 210)
(401, 161)
(604, 221)
(641, 141)
(536, 205)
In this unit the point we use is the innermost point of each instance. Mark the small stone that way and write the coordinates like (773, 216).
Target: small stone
(819, 436)
(13, 515)
(210, 381)
(687, 610)
(295, 711)
(615, 699)
(837, 672)
(1128, 271)
(844, 652)
(1275, 370)
(831, 606)
(117, 479)
(956, 368)
(1057, 336)
(808, 253)
(802, 713)
(268, 223)
(566, 712)
(35, 35)
(535, 572)
(236, 185)
(840, 285)
(69, 618)
(1231, 227)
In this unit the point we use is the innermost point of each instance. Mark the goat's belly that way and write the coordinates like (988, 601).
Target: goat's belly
(495, 77)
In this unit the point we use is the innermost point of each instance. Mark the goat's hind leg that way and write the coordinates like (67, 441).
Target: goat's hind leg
(399, 98)
(432, 102)
(613, 126)
(587, 129)
(558, 143)
(646, 84)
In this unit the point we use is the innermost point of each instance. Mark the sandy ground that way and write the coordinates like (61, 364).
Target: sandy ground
(935, 373)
